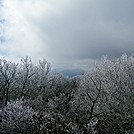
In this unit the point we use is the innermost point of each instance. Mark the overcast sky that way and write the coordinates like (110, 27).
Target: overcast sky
(68, 33)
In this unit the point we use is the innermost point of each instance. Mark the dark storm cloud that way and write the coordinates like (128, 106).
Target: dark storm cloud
(68, 33)
(89, 29)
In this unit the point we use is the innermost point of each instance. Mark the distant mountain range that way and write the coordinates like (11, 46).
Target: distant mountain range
(72, 72)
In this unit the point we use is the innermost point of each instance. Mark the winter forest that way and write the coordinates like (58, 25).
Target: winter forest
(33, 100)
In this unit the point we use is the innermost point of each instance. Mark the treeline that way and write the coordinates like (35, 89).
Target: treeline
(33, 100)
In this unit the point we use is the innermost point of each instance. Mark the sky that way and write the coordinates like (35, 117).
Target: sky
(68, 33)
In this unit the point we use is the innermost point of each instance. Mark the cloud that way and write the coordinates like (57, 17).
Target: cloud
(68, 33)
(21, 36)
(90, 30)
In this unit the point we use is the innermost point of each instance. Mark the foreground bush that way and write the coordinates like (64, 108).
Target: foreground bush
(15, 118)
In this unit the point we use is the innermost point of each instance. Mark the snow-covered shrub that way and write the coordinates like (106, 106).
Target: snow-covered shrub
(15, 117)
(53, 114)
(18, 118)
(51, 123)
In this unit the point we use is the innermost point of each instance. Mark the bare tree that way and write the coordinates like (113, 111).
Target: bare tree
(43, 75)
(106, 92)
(8, 78)
(25, 74)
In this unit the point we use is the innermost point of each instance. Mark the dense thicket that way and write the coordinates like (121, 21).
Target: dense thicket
(35, 100)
